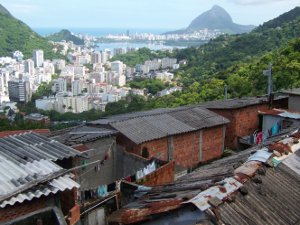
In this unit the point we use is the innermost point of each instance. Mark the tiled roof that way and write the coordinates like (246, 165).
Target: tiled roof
(145, 128)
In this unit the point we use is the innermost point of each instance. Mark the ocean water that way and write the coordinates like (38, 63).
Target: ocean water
(99, 32)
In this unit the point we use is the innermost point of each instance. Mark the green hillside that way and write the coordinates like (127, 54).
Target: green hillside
(214, 58)
(67, 36)
(16, 35)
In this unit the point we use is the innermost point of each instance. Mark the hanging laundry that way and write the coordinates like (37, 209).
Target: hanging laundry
(275, 129)
(139, 175)
(106, 157)
(270, 132)
(128, 179)
(102, 190)
(259, 137)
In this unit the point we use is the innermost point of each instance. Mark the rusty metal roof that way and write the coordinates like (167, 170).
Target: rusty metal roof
(274, 201)
(281, 113)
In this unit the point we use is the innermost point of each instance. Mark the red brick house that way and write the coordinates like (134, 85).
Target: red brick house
(243, 115)
(187, 135)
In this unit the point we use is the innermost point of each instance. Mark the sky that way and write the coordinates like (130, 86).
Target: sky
(173, 14)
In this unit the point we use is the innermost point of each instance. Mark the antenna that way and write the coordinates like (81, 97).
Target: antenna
(268, 73)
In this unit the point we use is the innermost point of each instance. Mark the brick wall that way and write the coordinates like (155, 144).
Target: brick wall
(74, 215)
(20, 209)
(186, 149)
(243, 122)
(162, 176)
(213, 143)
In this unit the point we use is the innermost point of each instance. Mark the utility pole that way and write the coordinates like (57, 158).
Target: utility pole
(268, 73)
(225, 92)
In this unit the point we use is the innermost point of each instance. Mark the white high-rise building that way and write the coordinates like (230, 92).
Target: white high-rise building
(38, 57)
(77, 87)
(117, 66)
(29, 66)
(104, 56)
(59, 85)
(120, 80)
(96, 57)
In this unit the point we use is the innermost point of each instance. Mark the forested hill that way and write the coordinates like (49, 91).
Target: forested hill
(67, 36)
(16, 35)
(228, 50)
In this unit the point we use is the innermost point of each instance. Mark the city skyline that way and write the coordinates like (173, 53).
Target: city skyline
(139, 13)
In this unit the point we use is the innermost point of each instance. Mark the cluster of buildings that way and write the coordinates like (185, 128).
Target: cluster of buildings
(202, 34)
(88, 81)
(147, 167)
(20, 78)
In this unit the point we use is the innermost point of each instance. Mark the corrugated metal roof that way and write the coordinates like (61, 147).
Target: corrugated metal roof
(146, 128)
(295, 91)
(201, 200)
(261, 155)
(26, 169)
(282, 113)
(274, 201)
(84, 134)
(28, 147)
(273, 193)
(237, 103)
(59, 184)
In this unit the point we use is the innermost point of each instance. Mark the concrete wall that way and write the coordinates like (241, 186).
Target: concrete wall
(128, 164)
(294, 103)
(89, 177)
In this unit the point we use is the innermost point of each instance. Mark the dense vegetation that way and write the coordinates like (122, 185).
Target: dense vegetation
(67, 36)
(140, 56)
(152, 85)
(16, 35)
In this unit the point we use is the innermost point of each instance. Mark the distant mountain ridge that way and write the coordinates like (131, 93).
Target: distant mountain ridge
(65, 35)
(16, 35)
(215, 18)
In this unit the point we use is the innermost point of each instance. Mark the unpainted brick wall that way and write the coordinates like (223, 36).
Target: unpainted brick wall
(186, 147)
(244, 121)
(20, 209)
(162, 176)
(212, 147)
